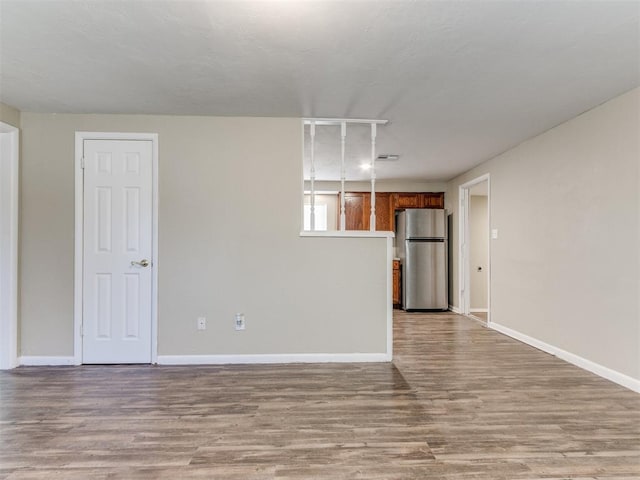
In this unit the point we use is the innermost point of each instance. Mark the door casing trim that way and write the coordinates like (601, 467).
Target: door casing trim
(464, 267)
(10, 140)
(79, 215)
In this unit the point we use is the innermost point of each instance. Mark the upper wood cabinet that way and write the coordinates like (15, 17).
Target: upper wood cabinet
(408, 200)
(358, 207)
(404, 200)
(433, 200)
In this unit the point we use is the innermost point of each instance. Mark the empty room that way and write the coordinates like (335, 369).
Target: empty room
(279, 239)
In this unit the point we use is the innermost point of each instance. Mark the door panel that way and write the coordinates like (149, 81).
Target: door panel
(117, 231)
(384, 212)
(407, 200)
(433, 200)
(357, 207)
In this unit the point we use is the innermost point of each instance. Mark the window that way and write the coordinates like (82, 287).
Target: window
(320, 214)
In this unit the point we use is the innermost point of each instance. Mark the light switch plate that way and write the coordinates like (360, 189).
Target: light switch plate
(494, 233)
(239, 321)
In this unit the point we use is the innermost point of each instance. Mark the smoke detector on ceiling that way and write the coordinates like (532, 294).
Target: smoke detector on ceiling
(388, 157)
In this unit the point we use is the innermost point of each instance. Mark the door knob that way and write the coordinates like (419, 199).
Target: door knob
(142, 263)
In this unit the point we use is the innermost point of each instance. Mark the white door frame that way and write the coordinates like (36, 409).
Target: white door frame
(9, 165)
(79, 229)
(464, 260)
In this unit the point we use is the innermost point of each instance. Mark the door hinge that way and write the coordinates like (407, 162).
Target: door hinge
(82, 163)
(81, 330)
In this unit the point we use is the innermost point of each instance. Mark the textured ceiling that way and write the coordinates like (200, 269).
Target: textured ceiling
(458, 81)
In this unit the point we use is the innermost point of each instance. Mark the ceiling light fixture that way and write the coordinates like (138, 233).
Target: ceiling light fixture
(365, 166)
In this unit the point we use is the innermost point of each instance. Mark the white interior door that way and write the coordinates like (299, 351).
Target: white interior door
(117, 251)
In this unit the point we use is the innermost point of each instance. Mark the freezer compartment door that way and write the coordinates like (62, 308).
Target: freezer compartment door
(425, 223)
(425, 276)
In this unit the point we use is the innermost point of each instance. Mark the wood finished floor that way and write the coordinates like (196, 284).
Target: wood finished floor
(482, 316)
(459, 402)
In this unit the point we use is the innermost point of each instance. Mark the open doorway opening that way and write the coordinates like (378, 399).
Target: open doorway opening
(475, 249)
(8, 246)
(479, 251)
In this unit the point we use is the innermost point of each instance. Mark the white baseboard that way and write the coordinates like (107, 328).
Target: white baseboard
(455, 309)
(481, 310)
(229, 359)
(273, 358)
(600, 370)
(33, 360)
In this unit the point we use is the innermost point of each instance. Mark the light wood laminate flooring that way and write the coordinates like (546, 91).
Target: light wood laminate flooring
(482, 316)
(459, 402)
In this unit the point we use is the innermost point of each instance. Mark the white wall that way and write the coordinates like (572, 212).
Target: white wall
(565, 269)
(478, 251)
(230, 216)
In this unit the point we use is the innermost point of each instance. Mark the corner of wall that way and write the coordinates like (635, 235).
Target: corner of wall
(10, 115)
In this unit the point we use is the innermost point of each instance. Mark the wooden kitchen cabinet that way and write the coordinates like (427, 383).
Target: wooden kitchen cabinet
(433, 200)
(384, 212)
(408, 200)
(396, 283)
(404, 200)
(357, 206)
(356, 210)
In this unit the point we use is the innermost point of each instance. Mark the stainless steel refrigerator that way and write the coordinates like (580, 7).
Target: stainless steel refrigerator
(421, 242)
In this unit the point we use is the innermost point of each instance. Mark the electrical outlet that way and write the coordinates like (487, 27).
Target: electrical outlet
(202, 323)
(239, 321)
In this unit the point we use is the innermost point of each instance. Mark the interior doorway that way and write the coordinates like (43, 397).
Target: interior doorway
(8, 246)
(475, 249)
(116, 248)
